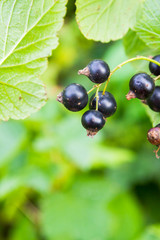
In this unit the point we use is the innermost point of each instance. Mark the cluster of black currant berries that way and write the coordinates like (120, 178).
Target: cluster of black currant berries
(142, 86)
(103, 105)
(75, 97)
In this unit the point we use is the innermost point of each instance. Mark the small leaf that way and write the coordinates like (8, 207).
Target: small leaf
(106, 20)
(154, 116)
(28, 35)
(148, 26)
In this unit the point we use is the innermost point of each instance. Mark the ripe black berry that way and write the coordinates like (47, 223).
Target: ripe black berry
(97, 71)
(106, 103)
(141, 86)
(154, 100)
(154, 68)
(74, 97)
(93, 121)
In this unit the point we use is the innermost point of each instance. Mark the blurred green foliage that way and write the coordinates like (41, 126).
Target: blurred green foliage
(57, 184)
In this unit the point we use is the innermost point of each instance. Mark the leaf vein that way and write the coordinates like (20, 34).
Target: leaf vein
(20, 90)
(23, 35)
(6, 36)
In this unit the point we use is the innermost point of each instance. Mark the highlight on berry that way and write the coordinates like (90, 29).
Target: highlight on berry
(141, 86)
(106, 103)
(74, 97)
(97, 71)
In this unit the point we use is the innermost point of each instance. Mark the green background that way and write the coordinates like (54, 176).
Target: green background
(56, 183)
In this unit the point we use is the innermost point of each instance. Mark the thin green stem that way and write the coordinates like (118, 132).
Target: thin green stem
(26, 215)
(95, 86)
(157, 78)
(97, 97)
(125, 62)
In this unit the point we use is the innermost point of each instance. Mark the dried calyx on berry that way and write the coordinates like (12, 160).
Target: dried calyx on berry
(106, 103)
(74, 97)
(97, 71)
(93, 121)
(153, 137)
(154, 68)
(141, 86)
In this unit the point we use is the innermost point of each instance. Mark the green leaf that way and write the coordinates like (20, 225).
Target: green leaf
(148, 26)
(28, 35)
(154, 116)
(135, 46)
(106, 20)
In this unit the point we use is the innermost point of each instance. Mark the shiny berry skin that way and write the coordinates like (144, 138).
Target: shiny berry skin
(74, 97)
(97, 71)
(141, 86)
(154, 100)
(154, 68)
(106, 103)
(93, 121)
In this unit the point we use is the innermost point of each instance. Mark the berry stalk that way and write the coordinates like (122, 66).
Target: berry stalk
(95, 86)
(97, 97)
(125, 62)
(157, 78)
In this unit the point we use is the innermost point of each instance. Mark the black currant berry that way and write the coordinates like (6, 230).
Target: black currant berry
(106, 103)
(97, 71)
(93, 121)
(74, 97)
(153, 137)
(141, 86)
(154, 68)
(154, 100)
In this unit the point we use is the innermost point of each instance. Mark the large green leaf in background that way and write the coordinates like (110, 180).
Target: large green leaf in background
(92, 208)
(106, 20)
(27, 35)
(151, 233)
(148, 26)
(134, 46)
(12, 137)
(24, 230)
